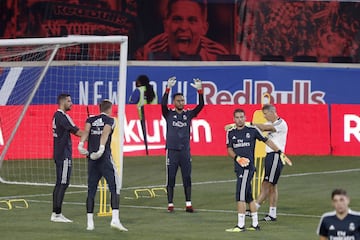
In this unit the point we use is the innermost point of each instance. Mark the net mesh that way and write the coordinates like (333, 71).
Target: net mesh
(88, 72)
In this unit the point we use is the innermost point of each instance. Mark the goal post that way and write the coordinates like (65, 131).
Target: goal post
(33, 72)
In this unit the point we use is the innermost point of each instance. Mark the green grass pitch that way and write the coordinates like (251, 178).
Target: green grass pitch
(304, 194)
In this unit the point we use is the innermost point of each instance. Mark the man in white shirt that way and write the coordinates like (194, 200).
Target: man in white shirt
(278, 130)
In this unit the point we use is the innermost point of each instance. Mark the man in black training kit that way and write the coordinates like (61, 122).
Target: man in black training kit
(98, 131)
(178, 123)
(62, 126)
(343, 223)
(240, 142)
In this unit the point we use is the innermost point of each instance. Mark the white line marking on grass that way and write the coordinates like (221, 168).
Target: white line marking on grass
(38, 195)
(233, 180)
(195, 183)
(182, 209)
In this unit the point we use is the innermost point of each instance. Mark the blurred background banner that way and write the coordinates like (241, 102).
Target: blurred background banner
(222, 84)
(250, 30)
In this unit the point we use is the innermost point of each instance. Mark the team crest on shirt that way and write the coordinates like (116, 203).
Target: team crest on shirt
(331, 227)
(247, 135)
(352, 226)
(185, 117)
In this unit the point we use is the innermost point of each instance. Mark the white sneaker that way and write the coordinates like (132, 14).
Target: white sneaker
(59, 218)
(90, 226)
(117, 225)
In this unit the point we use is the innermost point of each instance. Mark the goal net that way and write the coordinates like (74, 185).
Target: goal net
(33, 72)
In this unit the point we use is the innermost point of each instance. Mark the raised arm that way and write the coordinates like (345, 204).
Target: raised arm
(170, 83)
(198, 86)
(200, 106)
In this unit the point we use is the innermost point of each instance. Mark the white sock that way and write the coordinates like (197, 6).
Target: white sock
(272, 212)
(115, 215)
(241, 220)
(257, 205)
(90, 219)
(254, 217)
(170, 204)
(188, 203)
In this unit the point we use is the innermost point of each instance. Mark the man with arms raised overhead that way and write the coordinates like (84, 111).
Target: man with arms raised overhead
(178, 123)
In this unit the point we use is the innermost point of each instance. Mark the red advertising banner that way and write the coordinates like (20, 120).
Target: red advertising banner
(345, 129)
(309, 132)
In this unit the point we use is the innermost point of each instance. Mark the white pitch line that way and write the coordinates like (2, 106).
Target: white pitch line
(233, 180)
(39, 195)
(181, 209)
(196, 183)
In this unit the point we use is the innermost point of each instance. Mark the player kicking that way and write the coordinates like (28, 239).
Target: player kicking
(240, 142)
(62, 126)
(278, 129)
(178, 123)
(343, 223)
(98, 131)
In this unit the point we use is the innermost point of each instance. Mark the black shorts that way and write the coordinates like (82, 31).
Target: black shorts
(243, 185)
(273, 167)
(103, 167)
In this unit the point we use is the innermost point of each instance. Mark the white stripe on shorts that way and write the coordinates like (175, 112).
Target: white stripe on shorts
(116, 175)
(65, 171)
(243, 185)
(273, 167)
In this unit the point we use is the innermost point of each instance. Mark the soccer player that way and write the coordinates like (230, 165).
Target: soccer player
(278, 129)
(240, 142)
(343, 223)
(62, 126)
(98, 131)
(178, 123)
(185, 28)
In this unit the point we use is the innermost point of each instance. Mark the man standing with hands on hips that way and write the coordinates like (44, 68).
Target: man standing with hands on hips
(178, 123)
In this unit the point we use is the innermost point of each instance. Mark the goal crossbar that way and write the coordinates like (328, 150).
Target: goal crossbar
(71, 39)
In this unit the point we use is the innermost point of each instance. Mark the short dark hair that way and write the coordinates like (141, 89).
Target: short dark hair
(201, 3)
(62, 97)
(177, 94)
(239, 110)
(338, 191)
(105, 105)
(269, 107)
